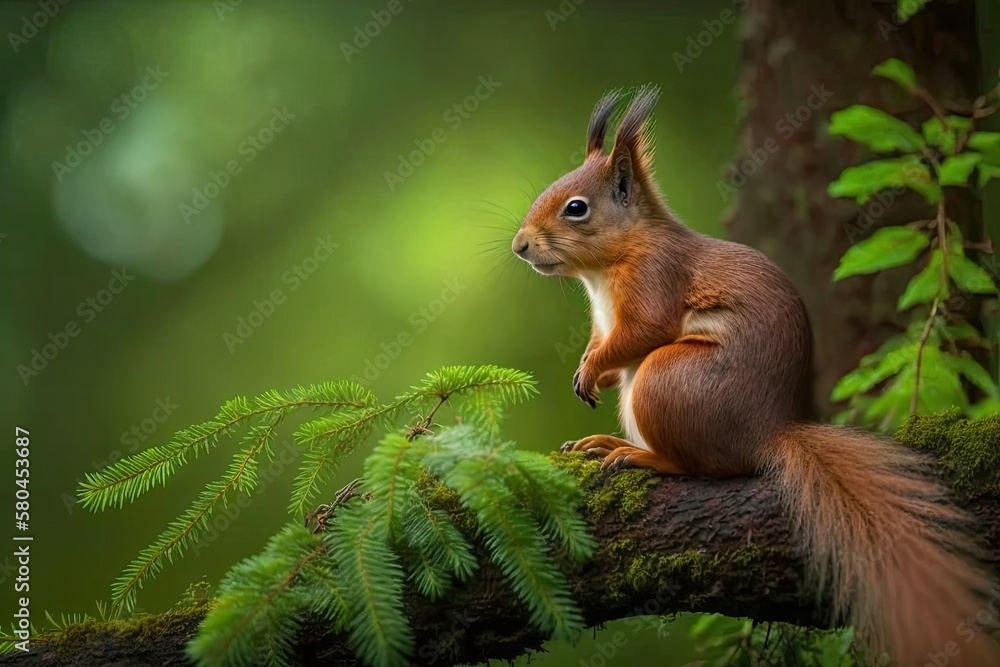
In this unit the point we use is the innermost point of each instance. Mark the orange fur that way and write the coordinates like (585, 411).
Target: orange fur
(712, 350)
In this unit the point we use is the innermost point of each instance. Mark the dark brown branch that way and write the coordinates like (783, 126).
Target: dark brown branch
(690, 545)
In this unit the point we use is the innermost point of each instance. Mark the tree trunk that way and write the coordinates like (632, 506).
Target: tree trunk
(803, 61)
(666, 545)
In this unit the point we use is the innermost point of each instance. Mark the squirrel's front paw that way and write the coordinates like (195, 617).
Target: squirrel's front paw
(585, 387)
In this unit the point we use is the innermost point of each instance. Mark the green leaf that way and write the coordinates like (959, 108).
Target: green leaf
(856, 382)
(955, 170)
(955, 239)
(865, 180)
(984, 408)
(893, 362)
(972, 371)
(898, 71)
(843, 418)
(962, 331)
(887, 247)
(987, 142)
(890, 345)
(969, 276)
(960, 123)
(879, 131)
(907, 9)
(955, 243)
(925, 285)
(892, 406)
(940, 387)
(937, 135)
(986, 172)
(864, 379)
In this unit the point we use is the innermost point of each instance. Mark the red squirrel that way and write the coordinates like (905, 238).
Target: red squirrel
(710, 348)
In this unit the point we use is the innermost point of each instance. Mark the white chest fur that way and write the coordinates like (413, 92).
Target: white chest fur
(603, 313)
(600, 302)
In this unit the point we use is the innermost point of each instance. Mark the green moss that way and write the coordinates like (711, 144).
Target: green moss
(141, 629)
(439, 496)
(436, 492)
(138, 630)
(744, 556)
(968, 449)
(196, 598)
(640, 569)
(624, 492)
(584, 468)
(647, 568)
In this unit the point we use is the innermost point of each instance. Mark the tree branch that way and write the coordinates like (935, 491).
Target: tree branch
(667, 545)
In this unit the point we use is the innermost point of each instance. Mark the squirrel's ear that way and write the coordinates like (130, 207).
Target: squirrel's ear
(632, 155)
(599, 121)
(622, 178)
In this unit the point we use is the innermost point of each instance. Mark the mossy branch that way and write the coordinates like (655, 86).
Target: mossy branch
(665, 545)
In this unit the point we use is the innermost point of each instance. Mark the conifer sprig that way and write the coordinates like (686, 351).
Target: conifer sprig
(328, 439)
(171, 543)
(266, 597)
(515, 508)
(522, 506)
(125, 480)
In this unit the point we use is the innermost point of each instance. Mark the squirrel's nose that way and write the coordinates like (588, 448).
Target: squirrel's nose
(520, 245)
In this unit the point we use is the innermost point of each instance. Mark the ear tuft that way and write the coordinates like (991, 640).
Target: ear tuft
(630, 164)
(635, 132)
(600, 119)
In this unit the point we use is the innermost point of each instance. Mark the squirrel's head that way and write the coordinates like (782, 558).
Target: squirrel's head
(582, 222)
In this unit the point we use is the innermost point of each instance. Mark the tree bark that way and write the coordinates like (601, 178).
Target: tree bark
(689, 545)
(803, 61)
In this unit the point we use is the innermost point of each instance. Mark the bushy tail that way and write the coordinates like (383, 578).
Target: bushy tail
(885, 542)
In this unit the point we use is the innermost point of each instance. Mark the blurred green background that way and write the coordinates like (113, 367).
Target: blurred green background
(427, 258)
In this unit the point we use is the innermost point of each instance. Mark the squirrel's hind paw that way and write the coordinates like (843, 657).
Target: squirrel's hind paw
(591, 449)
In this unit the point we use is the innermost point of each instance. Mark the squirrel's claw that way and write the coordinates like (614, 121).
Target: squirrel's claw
(614, 463)
(587, 394)
(586, 446)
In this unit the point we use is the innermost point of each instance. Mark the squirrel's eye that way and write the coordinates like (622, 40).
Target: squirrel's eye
(577, 208)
